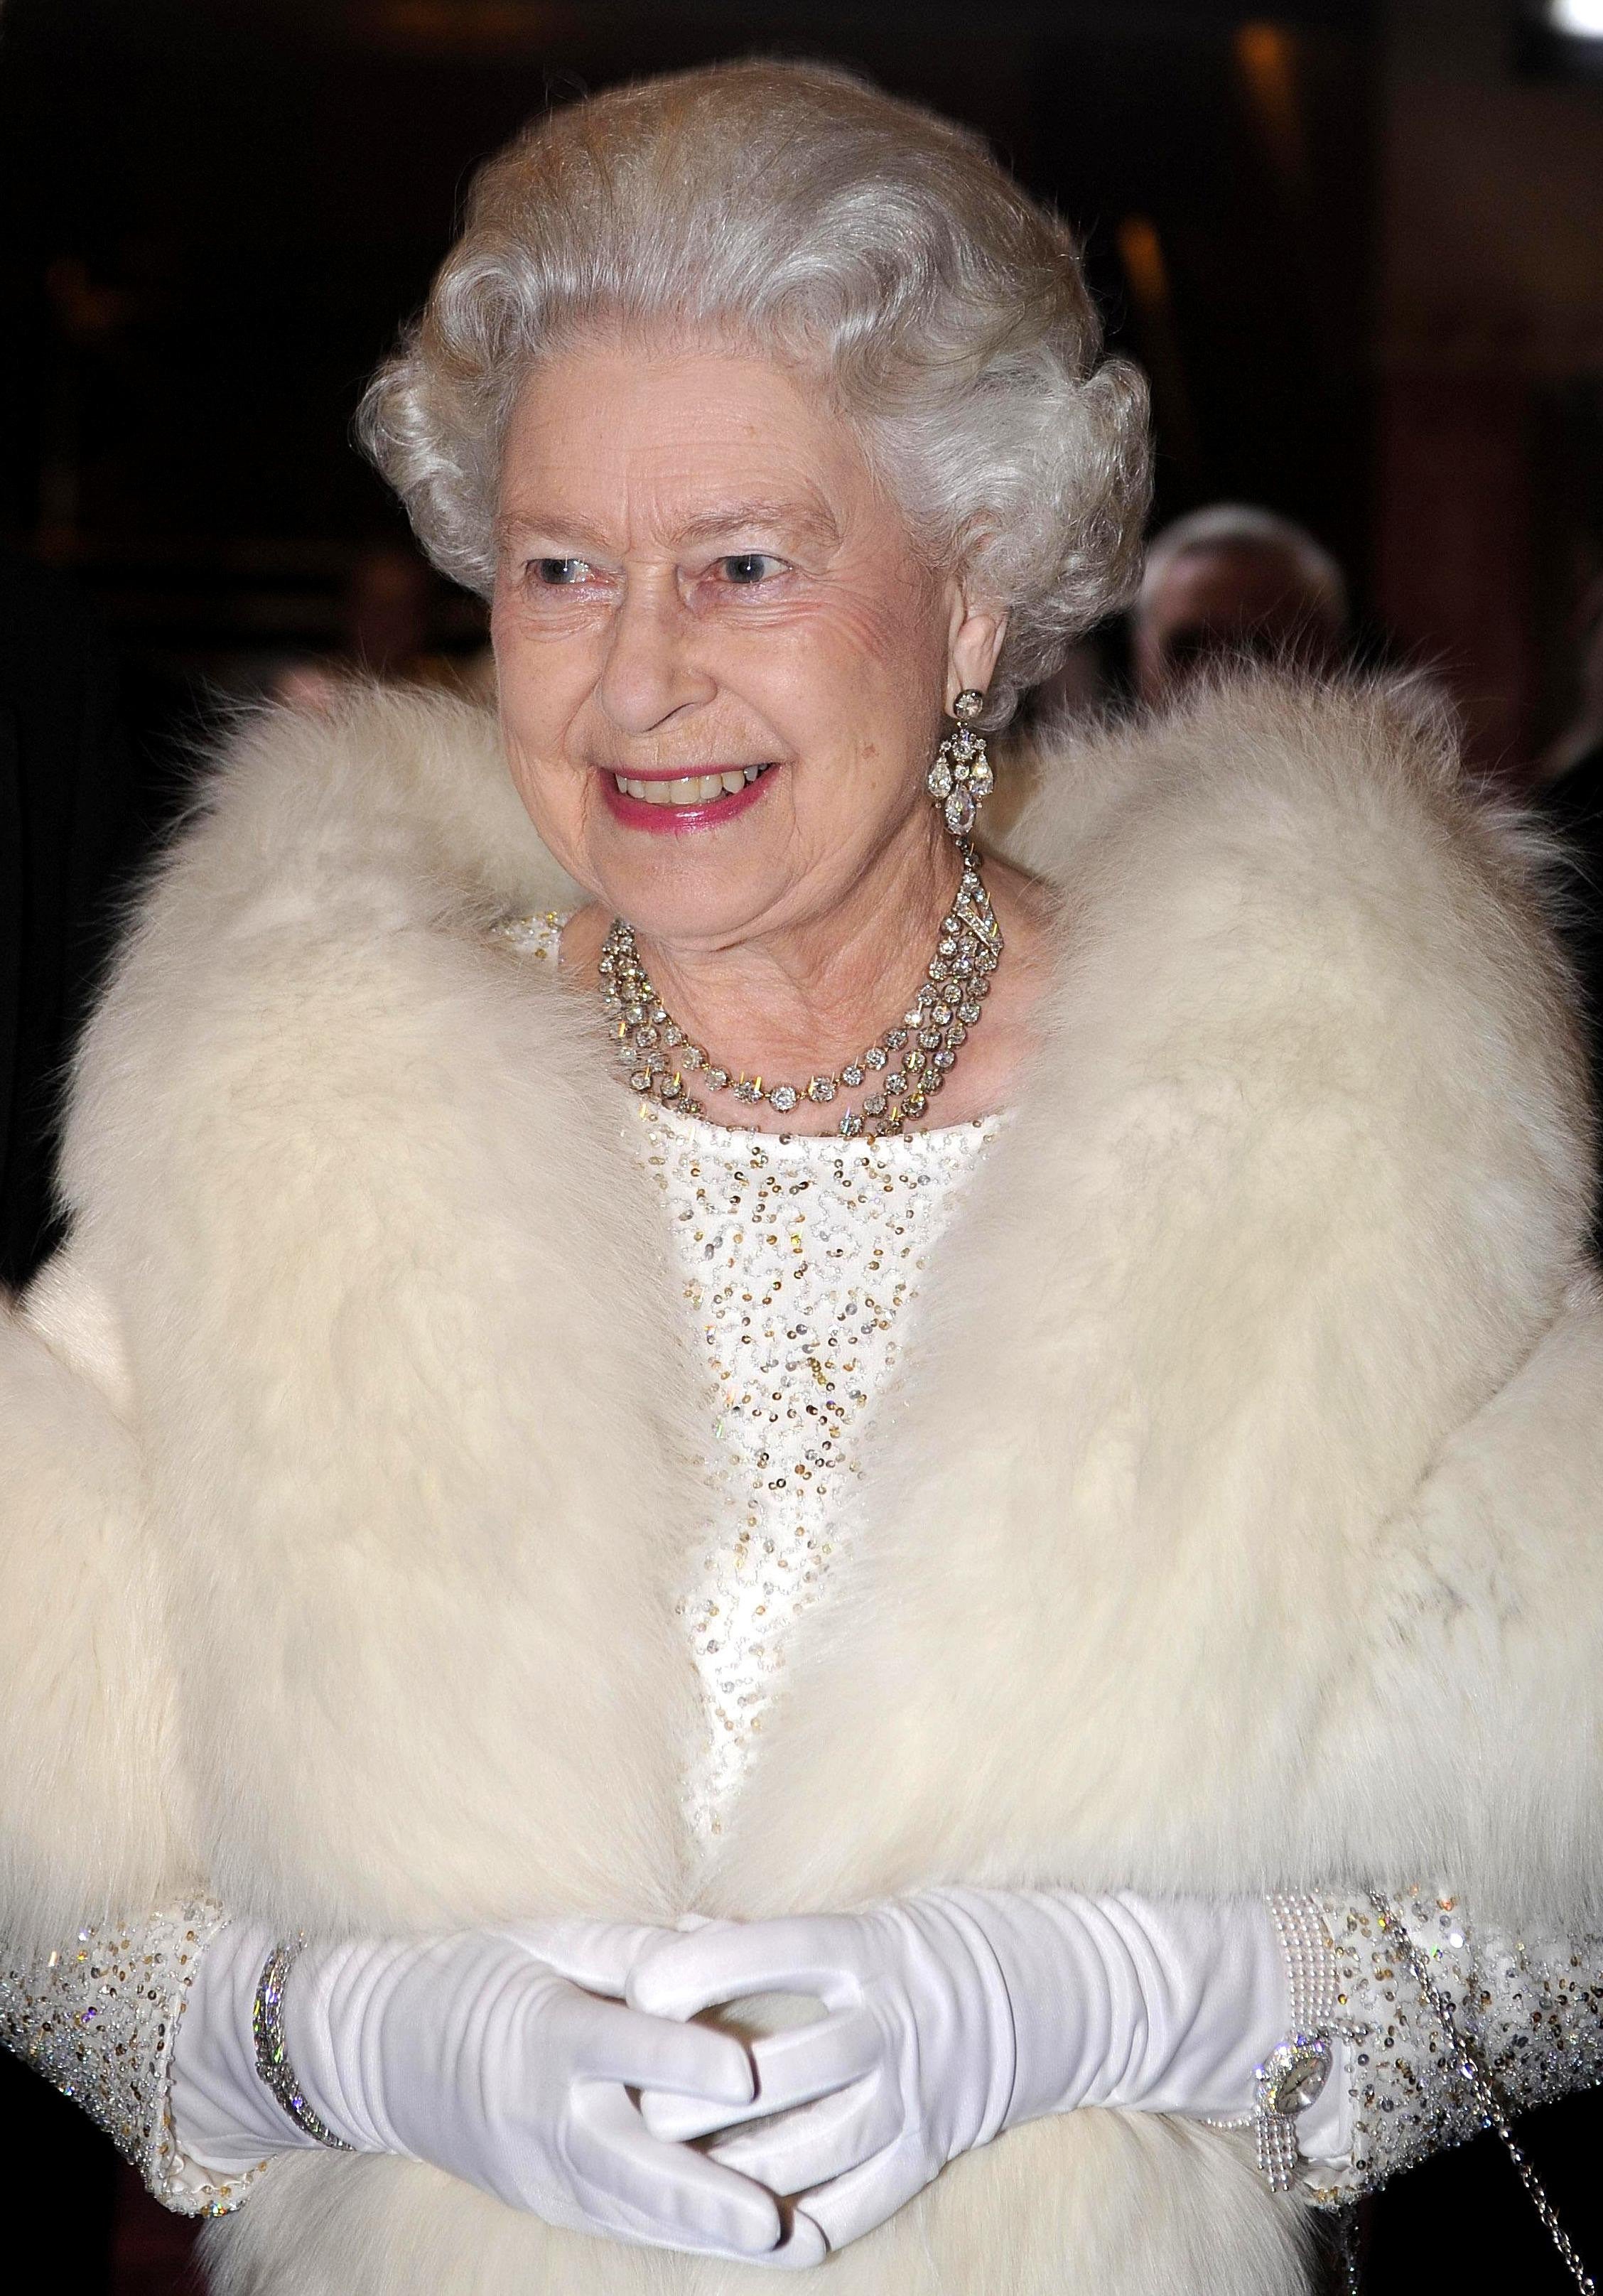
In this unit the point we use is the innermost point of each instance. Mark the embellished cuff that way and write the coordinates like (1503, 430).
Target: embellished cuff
(1531, 2010)
(1294, 2073)
(99, 2019)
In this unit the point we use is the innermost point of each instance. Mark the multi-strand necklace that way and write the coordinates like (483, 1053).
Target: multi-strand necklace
(897, 1075)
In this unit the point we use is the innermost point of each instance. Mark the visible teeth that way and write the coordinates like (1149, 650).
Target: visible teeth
(691, 789)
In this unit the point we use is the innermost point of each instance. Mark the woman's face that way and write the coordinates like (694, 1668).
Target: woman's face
(722, 664)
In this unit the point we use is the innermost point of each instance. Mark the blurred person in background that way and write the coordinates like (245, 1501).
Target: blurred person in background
(674, 1387)
(1232, 582)
(1228, 585)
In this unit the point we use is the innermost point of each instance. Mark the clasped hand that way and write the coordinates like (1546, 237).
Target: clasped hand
(912, 2064)
(514, 2059)
(560, 2065)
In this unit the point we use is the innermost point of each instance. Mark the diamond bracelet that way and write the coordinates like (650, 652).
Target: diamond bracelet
(273, 2057)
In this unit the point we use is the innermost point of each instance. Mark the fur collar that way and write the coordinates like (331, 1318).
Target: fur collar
(1163, 1576)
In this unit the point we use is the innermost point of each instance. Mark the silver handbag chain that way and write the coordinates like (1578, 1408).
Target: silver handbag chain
(1489, 2103)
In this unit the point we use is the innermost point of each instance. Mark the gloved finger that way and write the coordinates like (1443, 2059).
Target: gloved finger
(663, 2192)
(596, 1955)
(818, 2142)
(803, 2245)
(616, 2044)
(806, 1953)
(792, 2067)
(869, 2196)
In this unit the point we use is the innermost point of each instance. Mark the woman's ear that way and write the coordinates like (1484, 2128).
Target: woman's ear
(977, 629)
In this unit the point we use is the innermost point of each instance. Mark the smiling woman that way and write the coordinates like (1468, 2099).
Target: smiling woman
(1019, 1537)
(696, 569)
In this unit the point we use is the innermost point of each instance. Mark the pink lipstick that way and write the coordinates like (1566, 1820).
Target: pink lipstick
(677, 820)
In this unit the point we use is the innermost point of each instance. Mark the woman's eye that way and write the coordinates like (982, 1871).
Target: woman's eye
(748, 567)
(560, 573)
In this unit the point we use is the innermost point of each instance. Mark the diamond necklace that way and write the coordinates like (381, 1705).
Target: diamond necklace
(902, 1069)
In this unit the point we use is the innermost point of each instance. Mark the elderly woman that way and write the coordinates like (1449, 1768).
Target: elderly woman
(676, 1392)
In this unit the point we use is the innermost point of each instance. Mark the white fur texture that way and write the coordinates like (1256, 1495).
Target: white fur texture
(1236, 1522)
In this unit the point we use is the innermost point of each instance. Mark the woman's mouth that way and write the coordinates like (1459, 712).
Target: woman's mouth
(681, 801)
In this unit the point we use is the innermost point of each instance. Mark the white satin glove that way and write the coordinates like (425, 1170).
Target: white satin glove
(959, 2013)
(491, 2054)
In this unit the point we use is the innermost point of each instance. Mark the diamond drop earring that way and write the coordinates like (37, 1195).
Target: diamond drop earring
(960, 778)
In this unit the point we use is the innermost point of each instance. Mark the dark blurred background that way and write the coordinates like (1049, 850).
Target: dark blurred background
(1357, 248)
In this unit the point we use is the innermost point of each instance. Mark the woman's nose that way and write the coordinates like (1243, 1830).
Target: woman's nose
(651, 668)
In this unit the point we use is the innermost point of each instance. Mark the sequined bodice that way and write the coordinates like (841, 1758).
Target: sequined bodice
(801, 1258)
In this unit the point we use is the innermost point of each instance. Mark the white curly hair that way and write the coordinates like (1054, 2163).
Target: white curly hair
(801, 211)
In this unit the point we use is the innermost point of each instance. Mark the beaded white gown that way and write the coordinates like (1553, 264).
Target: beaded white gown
(800, 1258)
